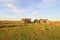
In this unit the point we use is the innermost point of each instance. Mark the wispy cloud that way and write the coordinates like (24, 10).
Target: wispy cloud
(13, 8)
(9, 4)
(46, 4)
(33, 13)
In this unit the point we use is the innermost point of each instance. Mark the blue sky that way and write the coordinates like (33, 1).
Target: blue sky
(17, 9)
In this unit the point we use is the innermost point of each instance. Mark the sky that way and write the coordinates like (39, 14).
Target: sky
(34, 9)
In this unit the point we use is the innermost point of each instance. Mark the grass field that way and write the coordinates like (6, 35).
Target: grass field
(31, 32)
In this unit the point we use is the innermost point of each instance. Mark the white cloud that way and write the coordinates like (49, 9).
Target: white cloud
(46, 4)
(6, 0)
(13, 8)
(33, 13)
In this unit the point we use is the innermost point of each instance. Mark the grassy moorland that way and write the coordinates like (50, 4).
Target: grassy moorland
(31, 32)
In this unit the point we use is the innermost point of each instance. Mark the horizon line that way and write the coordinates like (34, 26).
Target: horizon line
(30, 18)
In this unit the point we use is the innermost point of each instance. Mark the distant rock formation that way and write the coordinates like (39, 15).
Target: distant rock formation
(25, 20)
(28, 20)
(36, 21)
(44, 21)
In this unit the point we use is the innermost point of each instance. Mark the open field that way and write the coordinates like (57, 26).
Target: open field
(31, 32)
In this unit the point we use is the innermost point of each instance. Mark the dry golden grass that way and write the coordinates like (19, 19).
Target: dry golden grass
(31, 32)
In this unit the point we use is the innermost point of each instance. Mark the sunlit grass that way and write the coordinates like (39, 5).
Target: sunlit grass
(31, 32)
